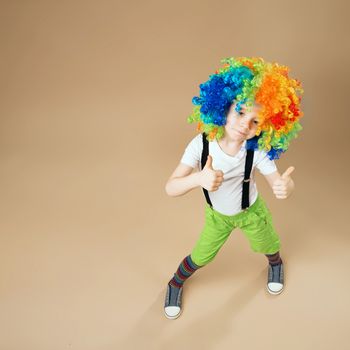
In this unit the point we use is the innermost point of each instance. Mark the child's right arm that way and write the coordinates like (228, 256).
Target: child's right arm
(183, 180)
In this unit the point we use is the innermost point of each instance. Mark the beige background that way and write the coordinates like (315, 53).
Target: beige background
(94, 100)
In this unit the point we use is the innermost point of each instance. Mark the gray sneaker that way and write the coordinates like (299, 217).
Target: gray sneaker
(173, 300)
(275, 279)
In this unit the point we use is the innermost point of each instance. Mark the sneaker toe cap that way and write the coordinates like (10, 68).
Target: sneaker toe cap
(275, 287)
(172, 311)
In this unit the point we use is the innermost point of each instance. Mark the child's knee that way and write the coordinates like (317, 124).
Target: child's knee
(269, 247)
(201, 260)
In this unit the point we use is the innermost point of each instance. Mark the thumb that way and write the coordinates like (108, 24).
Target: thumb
(209, 162)
(288, 172)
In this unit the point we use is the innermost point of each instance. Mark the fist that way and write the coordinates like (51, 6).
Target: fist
(209, 178)
(284, 186)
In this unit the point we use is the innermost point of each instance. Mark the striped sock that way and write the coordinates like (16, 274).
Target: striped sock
(184, 271)
(274, 259)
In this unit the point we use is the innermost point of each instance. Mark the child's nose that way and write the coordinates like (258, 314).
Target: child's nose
(245, 125)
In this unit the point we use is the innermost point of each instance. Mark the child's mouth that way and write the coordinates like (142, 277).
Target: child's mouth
(241, 133)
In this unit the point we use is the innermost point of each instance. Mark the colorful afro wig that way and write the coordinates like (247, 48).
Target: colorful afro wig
(249, 80)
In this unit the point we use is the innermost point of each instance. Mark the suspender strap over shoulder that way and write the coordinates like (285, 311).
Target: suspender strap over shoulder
(246, 182)
(205, 154)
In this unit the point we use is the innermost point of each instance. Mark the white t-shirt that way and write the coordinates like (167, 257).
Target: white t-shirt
(228, 198)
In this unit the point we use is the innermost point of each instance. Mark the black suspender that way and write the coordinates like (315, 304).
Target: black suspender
(246, 182)
(247, 170)
(205, 154)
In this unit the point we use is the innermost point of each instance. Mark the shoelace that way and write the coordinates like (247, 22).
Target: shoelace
(276, 273)
(174, 292)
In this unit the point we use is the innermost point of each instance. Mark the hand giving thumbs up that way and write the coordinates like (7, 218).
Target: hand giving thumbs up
(283, 187)
(209, 178)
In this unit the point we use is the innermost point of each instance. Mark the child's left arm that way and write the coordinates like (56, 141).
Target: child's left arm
(282, 185)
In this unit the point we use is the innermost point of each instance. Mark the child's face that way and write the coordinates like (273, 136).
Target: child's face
(243, 125)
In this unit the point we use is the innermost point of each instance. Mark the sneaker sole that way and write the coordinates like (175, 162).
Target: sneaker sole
(172, 317)
(274, 293)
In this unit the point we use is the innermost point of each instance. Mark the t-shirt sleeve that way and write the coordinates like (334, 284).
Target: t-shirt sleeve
(265, 165)
(193, 152)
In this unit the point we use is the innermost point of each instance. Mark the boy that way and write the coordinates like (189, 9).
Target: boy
(249, 111)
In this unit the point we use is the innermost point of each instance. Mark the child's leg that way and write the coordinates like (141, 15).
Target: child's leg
(274, 259)
(186, 268)
(256, 224)
(173, 298)
(217, 229)
(215, 233)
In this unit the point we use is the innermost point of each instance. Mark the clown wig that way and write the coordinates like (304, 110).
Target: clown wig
(246, 80)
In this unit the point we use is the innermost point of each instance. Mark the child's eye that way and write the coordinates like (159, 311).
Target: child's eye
(240, 113)
(256, 122)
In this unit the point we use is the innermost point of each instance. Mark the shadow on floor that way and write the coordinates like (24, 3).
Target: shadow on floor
(151, 328)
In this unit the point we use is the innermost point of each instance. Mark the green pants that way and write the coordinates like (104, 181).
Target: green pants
(255, 222)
